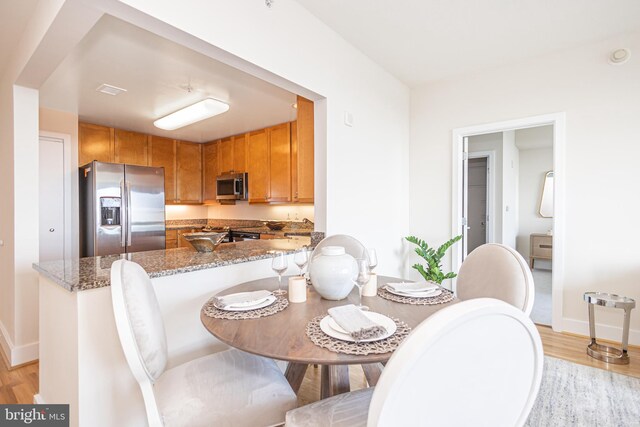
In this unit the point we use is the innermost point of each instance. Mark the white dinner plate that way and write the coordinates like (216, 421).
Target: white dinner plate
(261, 304)
(423, 294)
(331, 328)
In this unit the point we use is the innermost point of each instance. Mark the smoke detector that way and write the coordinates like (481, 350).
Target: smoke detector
(110, 90)
(619, 56)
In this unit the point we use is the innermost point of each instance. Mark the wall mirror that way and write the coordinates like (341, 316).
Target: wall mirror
(546, 201)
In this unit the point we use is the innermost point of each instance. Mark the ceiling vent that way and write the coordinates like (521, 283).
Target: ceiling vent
(110, 90)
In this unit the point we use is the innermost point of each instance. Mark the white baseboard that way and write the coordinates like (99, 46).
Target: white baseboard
(613, 333)
(17, 355)
(38, 400)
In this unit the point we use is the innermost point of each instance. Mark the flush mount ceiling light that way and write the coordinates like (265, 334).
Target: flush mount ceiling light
(110, 90)
(193, 113)
(619, 56)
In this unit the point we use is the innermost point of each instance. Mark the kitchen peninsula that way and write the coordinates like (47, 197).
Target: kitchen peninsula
(81, 360)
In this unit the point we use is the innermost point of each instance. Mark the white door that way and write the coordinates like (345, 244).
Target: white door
(51, 207)
(477, 199)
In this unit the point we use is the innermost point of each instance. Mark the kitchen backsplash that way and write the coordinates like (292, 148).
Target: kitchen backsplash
(241, 211)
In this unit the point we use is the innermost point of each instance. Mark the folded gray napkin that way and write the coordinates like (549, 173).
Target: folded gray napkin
(241, 299)
(422, 286)
(356, 323)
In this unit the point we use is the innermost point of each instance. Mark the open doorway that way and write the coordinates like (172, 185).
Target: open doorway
(509, 195)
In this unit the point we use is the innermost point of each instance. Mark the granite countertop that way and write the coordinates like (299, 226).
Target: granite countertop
(94, 272)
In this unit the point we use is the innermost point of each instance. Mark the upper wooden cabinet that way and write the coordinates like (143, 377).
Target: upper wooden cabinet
(95, 143)
(240, 153)
(189, 172)
(209, 171)
(232, 154)
(280, 163)
(131, 148)
(269, 164)
(225, 157)
(302, 154)
(258, 166)
(162, 153)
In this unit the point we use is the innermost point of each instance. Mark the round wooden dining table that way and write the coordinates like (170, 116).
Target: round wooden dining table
(282, 335)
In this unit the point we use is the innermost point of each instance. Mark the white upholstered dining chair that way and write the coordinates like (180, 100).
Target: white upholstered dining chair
(230, 388)
(496, 271)
(475, 363)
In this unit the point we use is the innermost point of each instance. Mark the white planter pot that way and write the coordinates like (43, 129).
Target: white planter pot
(332, 273)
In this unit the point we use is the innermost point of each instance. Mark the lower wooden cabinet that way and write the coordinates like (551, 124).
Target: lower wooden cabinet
(171, 239)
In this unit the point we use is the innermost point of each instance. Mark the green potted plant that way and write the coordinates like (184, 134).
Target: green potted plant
(433, 270)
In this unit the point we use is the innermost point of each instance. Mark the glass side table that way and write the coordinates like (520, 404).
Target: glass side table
(604, 352)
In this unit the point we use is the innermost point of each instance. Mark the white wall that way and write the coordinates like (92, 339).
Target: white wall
(492, 142)
(534, 164)
(602, 110)
(510, 165)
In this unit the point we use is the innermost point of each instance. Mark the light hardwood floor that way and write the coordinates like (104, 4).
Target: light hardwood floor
(20, 384)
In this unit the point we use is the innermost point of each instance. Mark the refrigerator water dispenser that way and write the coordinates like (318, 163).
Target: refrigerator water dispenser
(110, 211)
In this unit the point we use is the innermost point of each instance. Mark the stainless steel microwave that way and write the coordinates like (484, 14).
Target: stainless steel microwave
(233, 186)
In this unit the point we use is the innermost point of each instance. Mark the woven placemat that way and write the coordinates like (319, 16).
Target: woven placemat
(444, 297)
(278, 305)
(386, 345)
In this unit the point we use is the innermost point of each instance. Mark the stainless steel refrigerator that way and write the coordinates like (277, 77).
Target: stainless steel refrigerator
(121, 209)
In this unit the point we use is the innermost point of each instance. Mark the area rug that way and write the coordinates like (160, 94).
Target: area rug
(577, 395)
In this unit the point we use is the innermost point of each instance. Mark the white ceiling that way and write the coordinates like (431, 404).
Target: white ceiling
(425, 40)
(14, 15)
(156, 73)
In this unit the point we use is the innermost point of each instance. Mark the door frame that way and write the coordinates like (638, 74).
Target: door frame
(558, 120)
(490, 155)
(65, 140)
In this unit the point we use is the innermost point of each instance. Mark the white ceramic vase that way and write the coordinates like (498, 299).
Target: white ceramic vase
(332, 273)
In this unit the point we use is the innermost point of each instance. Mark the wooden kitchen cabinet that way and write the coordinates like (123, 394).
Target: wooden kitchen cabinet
(225, 159)
(258, 166)
(232, 154)
(189, 172)
(240, 153)
(210, 171)
(280, 163)
(269, 164)
(171, 239)
(131, 148)
(302, 154)
(94, 143)
(162, 153)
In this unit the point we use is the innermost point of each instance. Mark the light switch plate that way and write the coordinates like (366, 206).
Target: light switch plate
(348, 119)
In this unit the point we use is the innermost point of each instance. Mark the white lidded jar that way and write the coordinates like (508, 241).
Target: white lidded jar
(332, 273)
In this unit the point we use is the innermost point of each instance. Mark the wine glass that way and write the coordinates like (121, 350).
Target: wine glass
(279, 265)
(361, 279)
(373, 258)
(301, 258)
